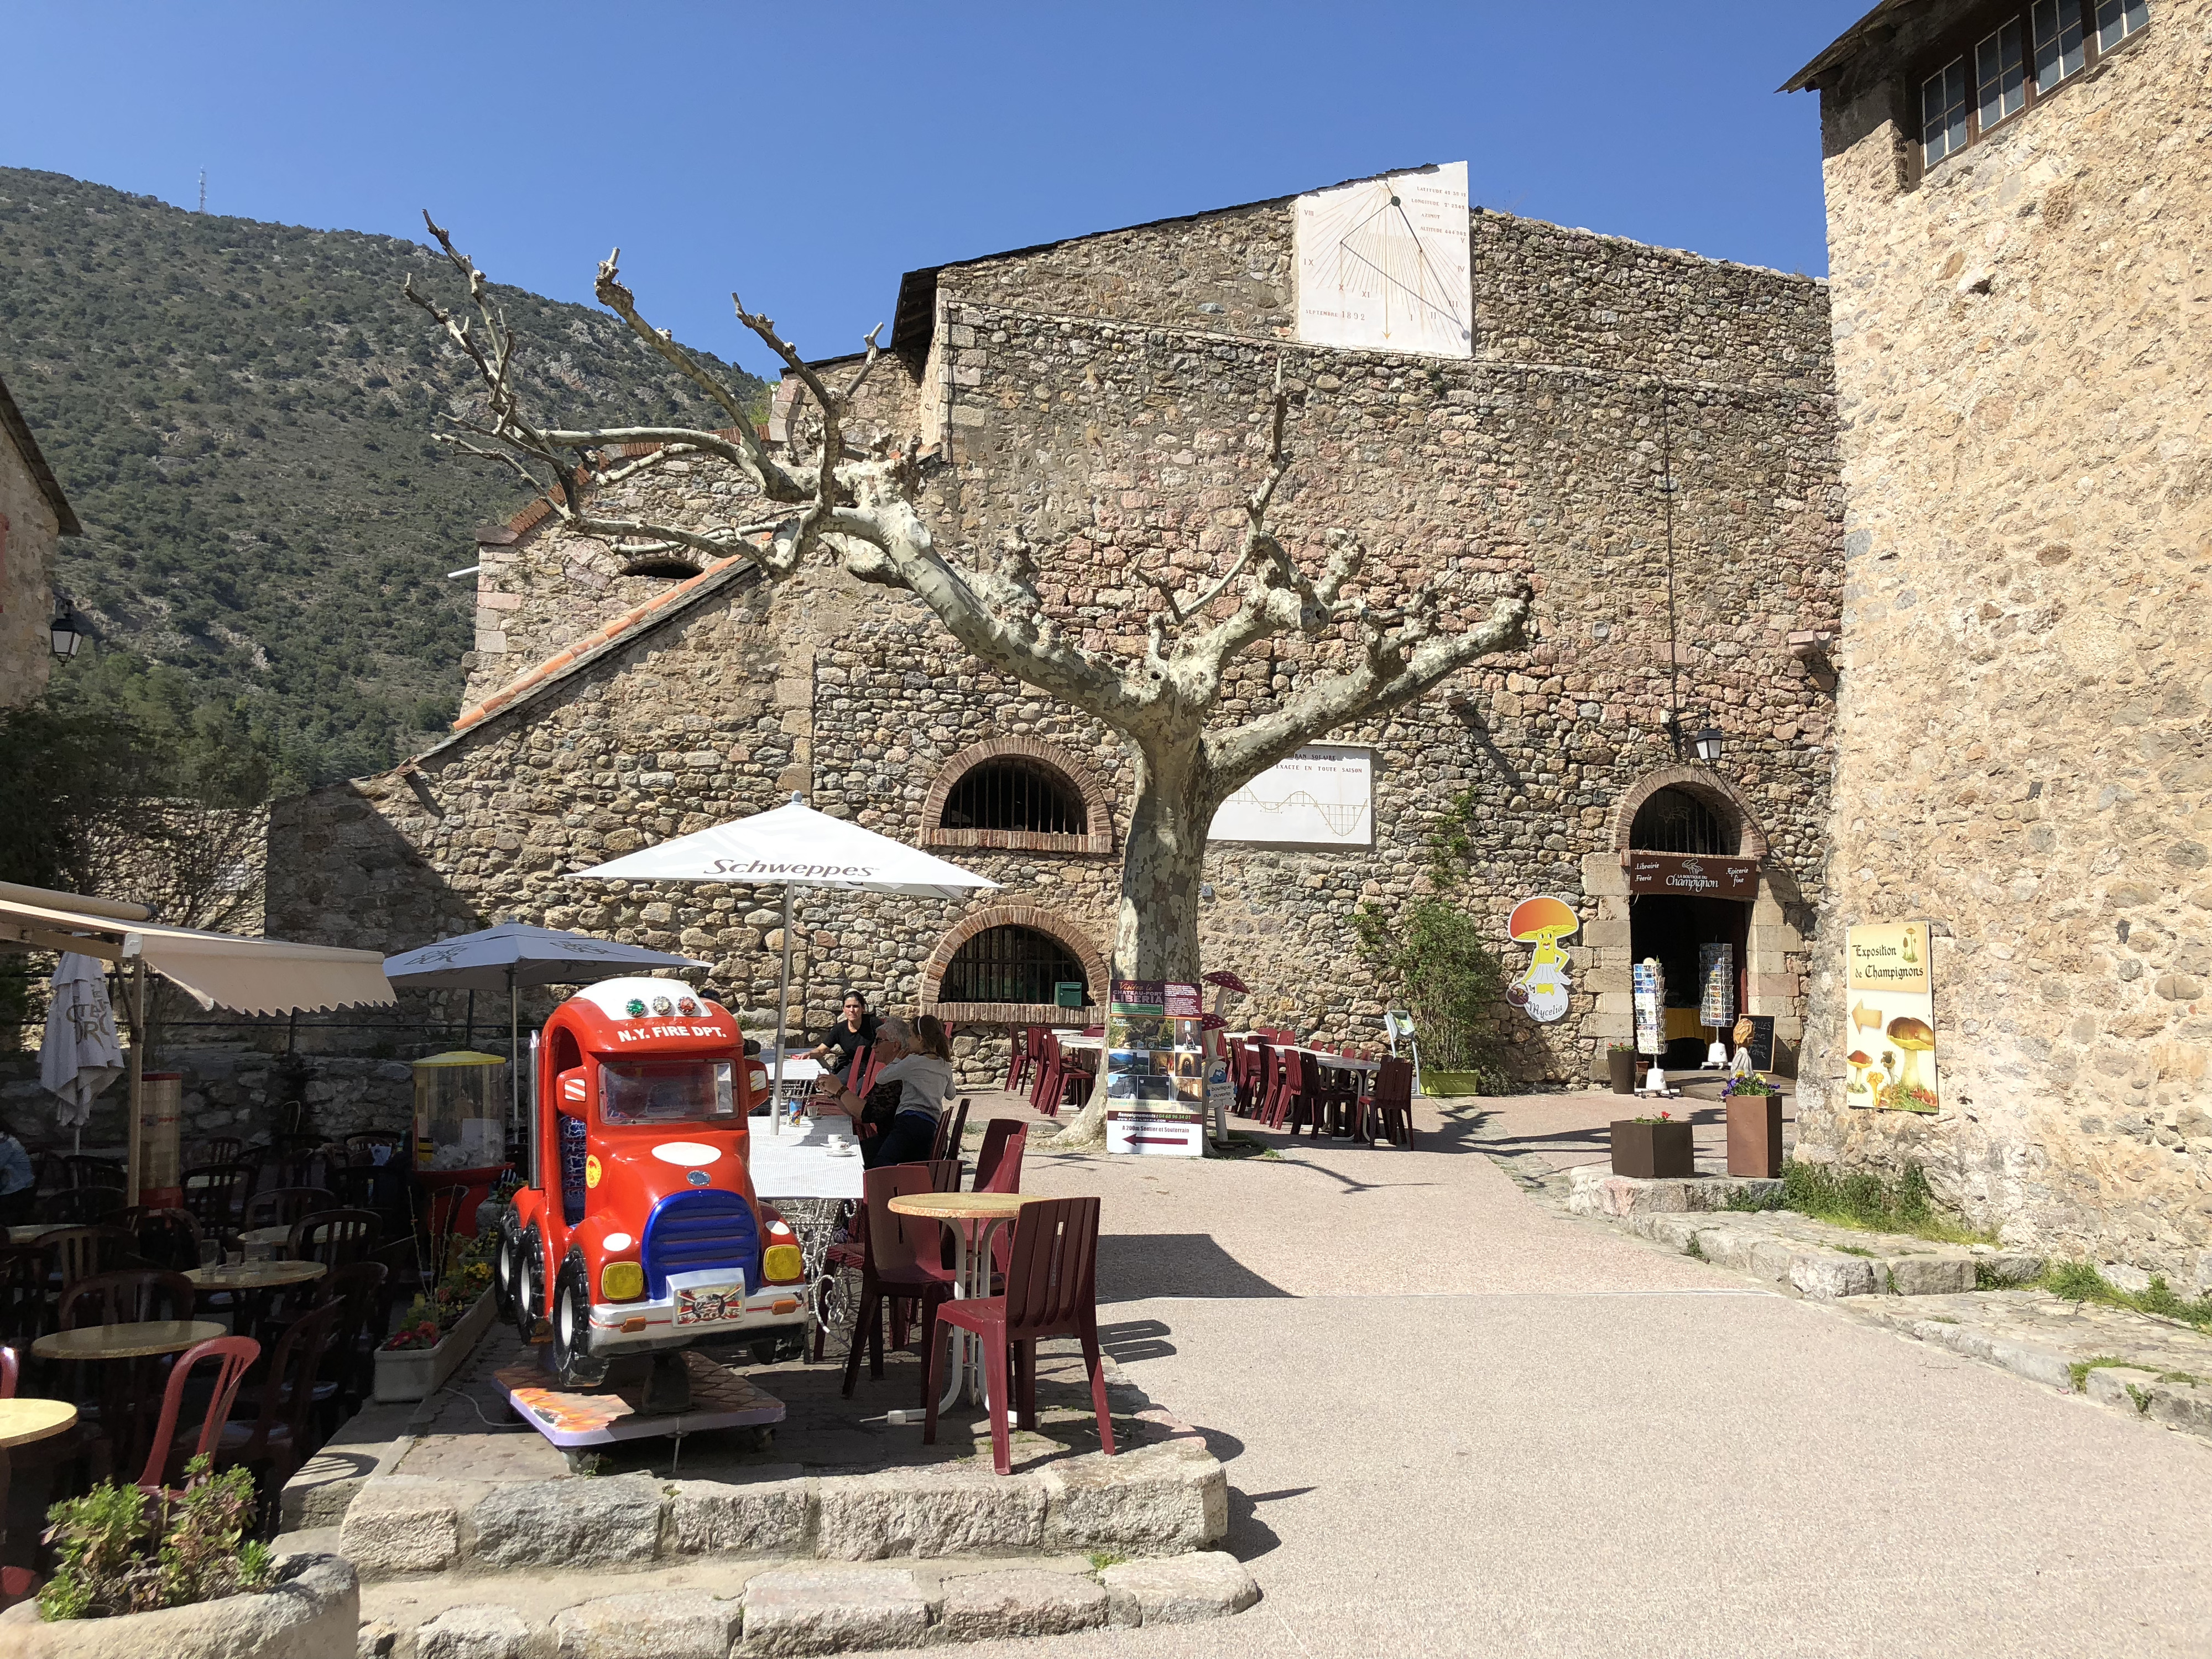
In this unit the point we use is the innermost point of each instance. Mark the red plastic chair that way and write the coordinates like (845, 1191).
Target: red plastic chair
(232, 1355)
(1390, 1104)
(1078, 1074)
(10, 1366)
(1290, 1083)
(891, 1267)
(1047, 1087)
(1051, 1290)
(278, 1439)
(996, 1133)
(1005, 1176)
(951, 1128)
(1018, 1056)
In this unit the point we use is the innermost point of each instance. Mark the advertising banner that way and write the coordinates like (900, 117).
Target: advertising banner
(1890, 1044)
(1156, 1069)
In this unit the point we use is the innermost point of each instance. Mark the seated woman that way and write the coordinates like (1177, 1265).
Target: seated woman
(922, 1070)
(854, 1031)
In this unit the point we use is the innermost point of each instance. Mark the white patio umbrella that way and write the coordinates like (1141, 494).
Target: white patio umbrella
(82, 1054)
(793, 846)
(515, 954)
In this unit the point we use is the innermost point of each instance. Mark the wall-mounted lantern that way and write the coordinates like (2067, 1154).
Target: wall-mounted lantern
(65, 634)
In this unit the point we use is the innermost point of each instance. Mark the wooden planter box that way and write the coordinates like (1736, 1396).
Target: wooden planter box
(418, 1373)
(1754, 1136)
(1652, 1151)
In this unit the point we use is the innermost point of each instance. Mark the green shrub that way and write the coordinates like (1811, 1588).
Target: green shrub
(1434, 952)
(122, 1551)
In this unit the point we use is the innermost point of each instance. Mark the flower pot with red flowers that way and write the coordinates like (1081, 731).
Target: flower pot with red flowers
(1653, 1148)
(1754, 1128)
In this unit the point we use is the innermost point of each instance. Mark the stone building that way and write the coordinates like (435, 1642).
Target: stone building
(1105, 396)
(33, 515)
(2020, 207)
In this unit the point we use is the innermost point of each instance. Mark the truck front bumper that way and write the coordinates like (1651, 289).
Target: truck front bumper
(706, 1305)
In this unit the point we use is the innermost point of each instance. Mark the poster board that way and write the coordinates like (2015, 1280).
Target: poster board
(1889, 1037)
(1322, 796)
(1760, 1048)
(1156, 1069)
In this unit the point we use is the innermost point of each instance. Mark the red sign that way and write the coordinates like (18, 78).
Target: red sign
(1693, 875)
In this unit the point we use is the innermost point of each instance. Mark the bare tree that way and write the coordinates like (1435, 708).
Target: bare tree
(861, 507)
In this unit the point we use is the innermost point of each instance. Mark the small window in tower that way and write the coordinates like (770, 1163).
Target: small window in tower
(2118, 19)
(1943, 110)
(1999, 76)
(1010, 964)
(2059, 50)
(1014, 794)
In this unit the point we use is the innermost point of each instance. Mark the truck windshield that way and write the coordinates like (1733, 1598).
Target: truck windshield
(666, 1090)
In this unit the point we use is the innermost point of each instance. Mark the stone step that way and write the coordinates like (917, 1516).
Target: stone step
(775, 1609)
(1825, 1261)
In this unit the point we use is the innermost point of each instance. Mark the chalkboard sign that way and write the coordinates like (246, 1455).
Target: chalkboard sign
(1762, 1041)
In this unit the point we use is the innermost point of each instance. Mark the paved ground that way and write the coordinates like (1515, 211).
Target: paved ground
(1456, 1423)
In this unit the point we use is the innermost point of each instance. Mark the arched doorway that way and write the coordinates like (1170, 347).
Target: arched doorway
(1682, 929)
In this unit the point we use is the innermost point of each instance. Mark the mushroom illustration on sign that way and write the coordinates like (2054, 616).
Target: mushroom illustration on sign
(1543, 922)
(1915, 1037)
(1860, 1064)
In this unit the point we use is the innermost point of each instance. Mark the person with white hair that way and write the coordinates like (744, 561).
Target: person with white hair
(921, 1071)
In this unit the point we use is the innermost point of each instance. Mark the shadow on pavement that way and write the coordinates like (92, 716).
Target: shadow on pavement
(1133, 1267)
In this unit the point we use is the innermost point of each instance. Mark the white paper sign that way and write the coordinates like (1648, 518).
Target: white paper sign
(1382, 264)
(1322, 796)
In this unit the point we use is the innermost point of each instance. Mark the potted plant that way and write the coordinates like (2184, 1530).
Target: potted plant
(1620, 1062)
(440, 1329)
(177, 1574)
(1653, 1148)
(1754, 1126)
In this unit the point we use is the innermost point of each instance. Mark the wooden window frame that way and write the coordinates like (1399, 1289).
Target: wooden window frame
(1960, 44)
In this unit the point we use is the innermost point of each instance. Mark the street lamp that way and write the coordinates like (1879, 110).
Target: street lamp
(64, 632)
(1706, 746)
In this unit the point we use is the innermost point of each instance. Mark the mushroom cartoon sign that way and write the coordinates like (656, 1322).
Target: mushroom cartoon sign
(1892, 1036)
(1542, 991)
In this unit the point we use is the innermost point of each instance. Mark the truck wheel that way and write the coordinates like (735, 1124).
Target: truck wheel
(529, 1286)
(572, 1364)
(504, 1269)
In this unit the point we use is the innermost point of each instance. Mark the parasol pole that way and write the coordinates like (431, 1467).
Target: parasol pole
(137, 1068)
(783, 1005)
(514, 1054)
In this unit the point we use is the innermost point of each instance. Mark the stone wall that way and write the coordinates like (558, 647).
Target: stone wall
(1096, 404)
(2023, 357)
(28, 531)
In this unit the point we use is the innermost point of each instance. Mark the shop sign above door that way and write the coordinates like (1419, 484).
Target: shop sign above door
(1693, 875)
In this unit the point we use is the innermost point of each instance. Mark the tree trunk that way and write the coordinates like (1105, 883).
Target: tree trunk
(1156, 925)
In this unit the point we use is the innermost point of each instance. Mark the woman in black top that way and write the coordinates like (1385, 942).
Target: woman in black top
(855, 1030)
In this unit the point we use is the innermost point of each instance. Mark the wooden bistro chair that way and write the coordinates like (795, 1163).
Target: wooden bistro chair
(112, 1394)
(1051, 1290)
(214, 1194)
(334, 1238)
(165, 1460)
(77, 1253)
(286, 1207)
(82, 1207)
(281, 1434)
(220, 1149)
(893, 1267)
(24, 1308)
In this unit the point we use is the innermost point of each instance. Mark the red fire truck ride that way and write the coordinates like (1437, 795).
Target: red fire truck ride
(639, 1232)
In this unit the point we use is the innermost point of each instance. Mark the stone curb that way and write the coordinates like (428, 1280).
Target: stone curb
(808, 1608)
(1163, 1499)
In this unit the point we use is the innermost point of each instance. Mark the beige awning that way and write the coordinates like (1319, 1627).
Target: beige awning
(252, 976)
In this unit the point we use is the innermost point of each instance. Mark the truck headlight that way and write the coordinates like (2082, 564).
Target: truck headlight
(782, 1264)
(622, 1281)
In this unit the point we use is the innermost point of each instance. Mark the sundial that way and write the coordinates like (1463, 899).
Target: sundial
(1382, 264)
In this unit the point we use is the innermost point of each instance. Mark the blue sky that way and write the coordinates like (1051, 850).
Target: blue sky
(806, 155)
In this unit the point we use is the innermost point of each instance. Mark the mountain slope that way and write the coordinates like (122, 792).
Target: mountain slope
(241, 414)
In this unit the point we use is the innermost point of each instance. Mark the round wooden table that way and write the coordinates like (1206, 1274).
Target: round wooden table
(30, 1231)
(23, 1420)
(127, 1341)
(266, 1275)
(971, 1268)
(265, 1239)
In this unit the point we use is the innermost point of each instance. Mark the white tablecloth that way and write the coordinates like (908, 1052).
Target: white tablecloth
(798, 1163)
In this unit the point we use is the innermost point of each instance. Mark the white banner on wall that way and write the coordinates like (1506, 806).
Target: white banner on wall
(1322, 796)
(1383, 266)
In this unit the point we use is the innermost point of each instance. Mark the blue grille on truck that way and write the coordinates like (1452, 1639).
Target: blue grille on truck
(688, 1232)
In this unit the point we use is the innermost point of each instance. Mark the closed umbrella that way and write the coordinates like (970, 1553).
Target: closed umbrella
(82, 1054)
(792, 846)
(513, 954)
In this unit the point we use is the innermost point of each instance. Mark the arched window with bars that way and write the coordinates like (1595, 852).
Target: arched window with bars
(1676, 821)
(1012, 963)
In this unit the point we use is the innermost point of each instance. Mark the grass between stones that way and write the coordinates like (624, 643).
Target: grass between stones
(2080, 1281)
(1863, 1201)
(1241, 1145)
(2081, 1368)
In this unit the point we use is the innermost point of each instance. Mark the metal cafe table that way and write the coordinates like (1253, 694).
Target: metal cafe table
(971, 1268)
(127, 1417)
(249, 1284)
